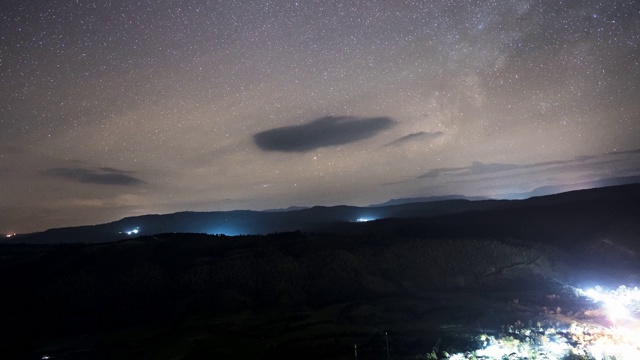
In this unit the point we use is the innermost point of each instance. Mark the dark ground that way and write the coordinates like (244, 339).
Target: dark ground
(423, 281)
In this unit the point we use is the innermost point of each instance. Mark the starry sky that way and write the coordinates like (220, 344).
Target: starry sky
(118, 108)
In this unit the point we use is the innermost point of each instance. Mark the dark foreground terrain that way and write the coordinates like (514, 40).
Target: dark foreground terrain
(419, 285)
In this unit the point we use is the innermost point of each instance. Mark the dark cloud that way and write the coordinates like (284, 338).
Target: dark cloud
(326, 131)
(116, 171)
(103, 176)
(422, 135)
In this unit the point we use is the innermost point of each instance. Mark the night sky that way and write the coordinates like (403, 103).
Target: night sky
(116, 108)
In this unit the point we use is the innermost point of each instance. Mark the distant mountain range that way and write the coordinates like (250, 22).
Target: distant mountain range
(540, 191)
(320, 219)
(557, 189)
(290, 208)
(243, 222)
(420, 199)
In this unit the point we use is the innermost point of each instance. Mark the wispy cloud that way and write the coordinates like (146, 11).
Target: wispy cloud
(422, 135)
(478, 168)
(102, 176)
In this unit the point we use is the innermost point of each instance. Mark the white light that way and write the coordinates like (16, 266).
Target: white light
(618, 339)
(594, 294)
(620, 306)
(131, 232)
(364, 219)
(620, 303)
(457, 357)
(616, 310)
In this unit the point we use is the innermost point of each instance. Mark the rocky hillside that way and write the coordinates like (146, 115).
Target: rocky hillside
(66, 289)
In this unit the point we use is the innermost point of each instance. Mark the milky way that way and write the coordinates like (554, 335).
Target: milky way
(117, 108)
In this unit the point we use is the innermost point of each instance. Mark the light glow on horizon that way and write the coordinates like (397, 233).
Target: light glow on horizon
(225, 230)
(132, 231)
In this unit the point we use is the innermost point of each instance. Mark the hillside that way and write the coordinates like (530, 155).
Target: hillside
(174, 279)
(600, 203)
(421, 280)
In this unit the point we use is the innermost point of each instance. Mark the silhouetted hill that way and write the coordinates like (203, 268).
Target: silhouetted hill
(62, 298)
(242, 221)
(311, 295)
(423, 199)
(557, 189)
(290, 208)
(602, 224)
(520, 218)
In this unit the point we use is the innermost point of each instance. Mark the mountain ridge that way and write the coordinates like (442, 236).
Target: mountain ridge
(314, 219)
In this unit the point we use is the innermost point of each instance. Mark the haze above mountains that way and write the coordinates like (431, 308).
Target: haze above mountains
(334, 219)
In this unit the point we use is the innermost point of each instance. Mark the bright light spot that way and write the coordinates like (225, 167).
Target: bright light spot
(458, 357)
(365, 219)
(617, 338)
(496, 351)
(616, 310)
(11, 235)
(593, 294)
(132, 231)
(619, 304)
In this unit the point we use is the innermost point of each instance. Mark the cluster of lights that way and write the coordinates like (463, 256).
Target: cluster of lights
(620, 304)
(621, 307)
(554, 347)
(132, 231)
(591, 342)
(619, 339)
(364, 219)
(11, 235)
